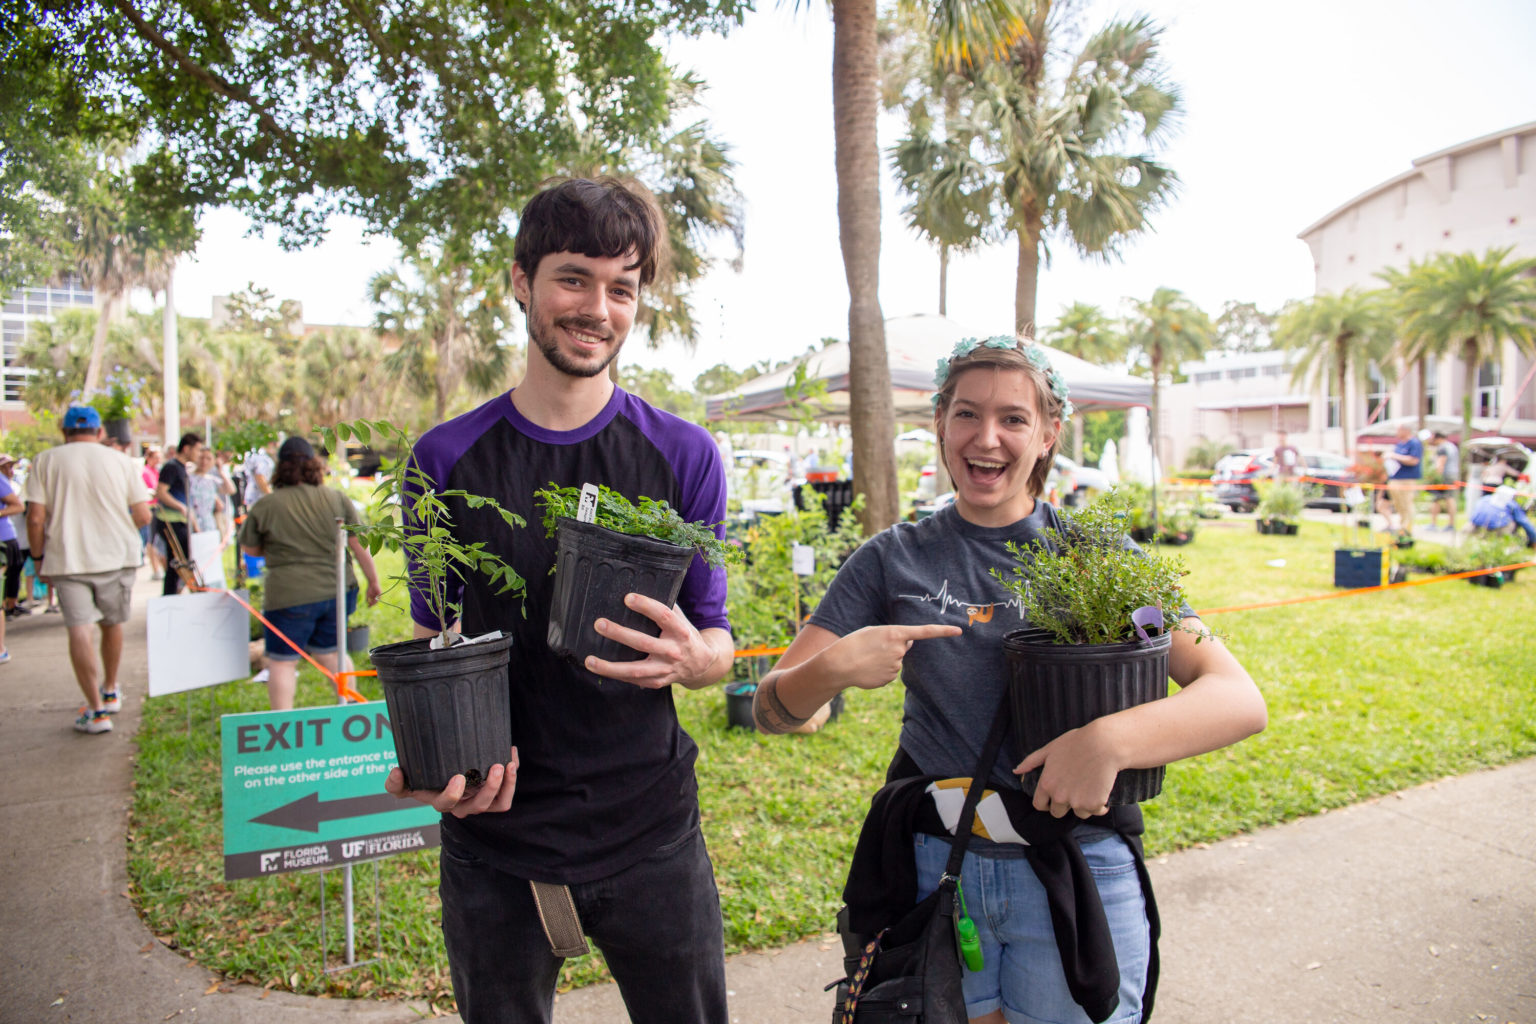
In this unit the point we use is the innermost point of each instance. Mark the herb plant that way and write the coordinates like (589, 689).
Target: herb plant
(650, 518)
(1282, 500)
(409, 514)
(1081, 583)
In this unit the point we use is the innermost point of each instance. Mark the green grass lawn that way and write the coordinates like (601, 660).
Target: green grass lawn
(1367, 694)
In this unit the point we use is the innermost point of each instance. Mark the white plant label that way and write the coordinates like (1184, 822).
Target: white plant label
(803, 558)
(586, 510)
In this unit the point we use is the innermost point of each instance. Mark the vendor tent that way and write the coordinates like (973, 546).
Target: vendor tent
(915, 345)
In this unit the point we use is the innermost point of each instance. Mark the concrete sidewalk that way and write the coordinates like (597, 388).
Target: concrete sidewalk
(1417, 907)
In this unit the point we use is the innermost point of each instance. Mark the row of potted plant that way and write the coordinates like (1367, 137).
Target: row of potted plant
(1471, 555)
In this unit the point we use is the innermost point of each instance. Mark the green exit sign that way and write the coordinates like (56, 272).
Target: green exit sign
(304, 789)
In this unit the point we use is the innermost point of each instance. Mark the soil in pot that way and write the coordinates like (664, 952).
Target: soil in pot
(448, 709)
(1055, 688)
(594, 569)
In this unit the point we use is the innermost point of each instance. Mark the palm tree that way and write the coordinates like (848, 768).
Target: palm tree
(1166, 330)
(1074, 152)
(1083, 330)
(1337, 336)
(1468, 304)
(964, 30)
(450, 322)
(948, 186)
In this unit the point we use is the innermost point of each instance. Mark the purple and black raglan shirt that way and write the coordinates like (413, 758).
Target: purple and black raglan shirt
(606, 773)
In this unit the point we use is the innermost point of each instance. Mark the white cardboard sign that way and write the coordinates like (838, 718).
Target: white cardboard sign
(802, 559)
(197, 640)
(208, 557)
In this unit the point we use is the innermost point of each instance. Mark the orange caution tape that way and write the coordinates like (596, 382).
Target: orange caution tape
(338, 679)
(1365, 590)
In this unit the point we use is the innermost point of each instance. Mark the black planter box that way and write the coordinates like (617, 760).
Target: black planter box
(449, 709)
(595, 568)
(1357, 567)
(1055, 688)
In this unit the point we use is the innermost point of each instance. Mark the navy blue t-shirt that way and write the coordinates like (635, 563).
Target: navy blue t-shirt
(606, 771)
(174, 476)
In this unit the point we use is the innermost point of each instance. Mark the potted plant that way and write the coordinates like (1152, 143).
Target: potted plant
(116, 403)
(1176, 526)
(1280, 508)
(1100, 620)
(1487, 552)
(446, 694)
(642, 548)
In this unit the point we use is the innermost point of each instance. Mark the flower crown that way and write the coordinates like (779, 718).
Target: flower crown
(1036, 358)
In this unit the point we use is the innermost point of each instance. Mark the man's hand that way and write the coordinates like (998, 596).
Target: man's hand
(871, 657)
(679, 655)
(494, 794)
(374, 593)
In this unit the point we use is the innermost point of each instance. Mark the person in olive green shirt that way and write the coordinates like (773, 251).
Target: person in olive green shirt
(294, 529)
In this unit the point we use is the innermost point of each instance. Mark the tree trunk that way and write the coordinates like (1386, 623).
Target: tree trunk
(855, 104)
(1422, 366)
(1341, 369)
(1468, 386)
(943, 279)
(98, 349)
(1028, 278)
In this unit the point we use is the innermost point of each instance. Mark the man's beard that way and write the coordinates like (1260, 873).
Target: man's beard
(551, 347)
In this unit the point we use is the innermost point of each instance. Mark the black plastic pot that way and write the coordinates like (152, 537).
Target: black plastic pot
(594, 569)
(738, 705)
(357, 638)
(119, 430)
(448, 709)
(1055, 688)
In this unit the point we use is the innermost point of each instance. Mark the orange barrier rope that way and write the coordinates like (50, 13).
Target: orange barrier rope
(338, 679)
(1365, 590)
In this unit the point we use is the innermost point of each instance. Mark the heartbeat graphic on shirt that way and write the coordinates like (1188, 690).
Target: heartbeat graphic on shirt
(975, 611)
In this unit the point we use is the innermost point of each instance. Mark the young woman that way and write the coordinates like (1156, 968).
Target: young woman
(294, 529)
(917, 601)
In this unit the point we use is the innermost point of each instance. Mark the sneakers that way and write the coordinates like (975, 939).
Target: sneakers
(93, 722)
(111, 703)
(5, 656)
(53, 609)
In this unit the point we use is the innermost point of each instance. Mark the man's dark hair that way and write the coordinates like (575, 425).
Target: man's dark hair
(1438, 435)
(187, 439)
(606, 217)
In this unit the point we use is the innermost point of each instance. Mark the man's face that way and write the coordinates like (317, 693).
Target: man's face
(580, 308)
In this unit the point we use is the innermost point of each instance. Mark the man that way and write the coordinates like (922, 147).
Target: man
(1287, 458)
(173, 510)
(85, 504)
(606, 802)
(1500, 512)
(1447, 471)
(1407, 461)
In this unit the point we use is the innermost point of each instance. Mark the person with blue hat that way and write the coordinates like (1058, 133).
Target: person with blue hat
(85, 502)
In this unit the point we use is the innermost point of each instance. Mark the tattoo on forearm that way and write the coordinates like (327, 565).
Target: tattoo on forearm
(768, 711)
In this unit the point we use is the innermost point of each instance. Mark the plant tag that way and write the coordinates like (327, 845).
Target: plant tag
(457, 640)
(803, 558)
(586, 510)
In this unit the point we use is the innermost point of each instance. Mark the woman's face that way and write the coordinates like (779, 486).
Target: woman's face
(992, 435)
(204, 461)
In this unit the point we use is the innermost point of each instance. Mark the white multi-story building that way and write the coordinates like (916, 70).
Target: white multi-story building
(23, 308)
(1472, 197)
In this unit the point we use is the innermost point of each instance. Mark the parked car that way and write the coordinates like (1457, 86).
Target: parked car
(1484, 452)
(761, 479)
(1236, 477)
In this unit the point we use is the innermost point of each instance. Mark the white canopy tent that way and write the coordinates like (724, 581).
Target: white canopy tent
(915, 345)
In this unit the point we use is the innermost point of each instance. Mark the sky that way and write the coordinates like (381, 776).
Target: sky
(1290, 111)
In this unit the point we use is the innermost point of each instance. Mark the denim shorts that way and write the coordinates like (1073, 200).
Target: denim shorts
(311, 626)
(1022, 971)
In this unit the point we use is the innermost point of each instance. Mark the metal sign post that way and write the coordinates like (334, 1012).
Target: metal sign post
(342, 665)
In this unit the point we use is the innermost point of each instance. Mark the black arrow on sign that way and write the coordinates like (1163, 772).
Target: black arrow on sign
(307, 812)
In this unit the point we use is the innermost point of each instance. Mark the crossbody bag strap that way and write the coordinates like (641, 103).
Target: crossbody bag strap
(979, 779)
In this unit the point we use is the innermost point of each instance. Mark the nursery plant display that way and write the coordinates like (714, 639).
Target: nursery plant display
(1280, 506)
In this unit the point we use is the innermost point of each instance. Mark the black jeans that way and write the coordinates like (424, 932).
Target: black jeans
(179, 531)
(14, 561)
(657, 923)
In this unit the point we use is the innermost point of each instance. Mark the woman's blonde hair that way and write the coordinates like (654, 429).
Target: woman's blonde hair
(1049, 405)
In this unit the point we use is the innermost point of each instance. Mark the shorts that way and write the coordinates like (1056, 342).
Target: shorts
(312, 626)
(104, 597)
(1022, 973)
